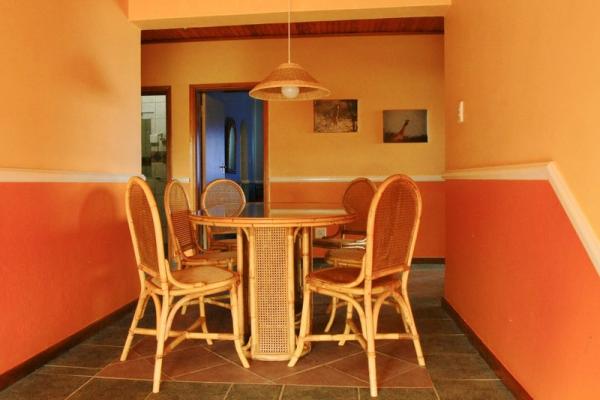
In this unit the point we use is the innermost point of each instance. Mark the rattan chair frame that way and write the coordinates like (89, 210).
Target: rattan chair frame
(186, 249)
(372, 285)
(220, 192)
(349, 236)
(352, 235)
(169, 294)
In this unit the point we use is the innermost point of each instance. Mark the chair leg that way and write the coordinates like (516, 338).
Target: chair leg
(333, 306)
(235, 320)
(349, 312)
(371, 345)
(137, 315)
(161, 335)
(202, 308)
(304, 326)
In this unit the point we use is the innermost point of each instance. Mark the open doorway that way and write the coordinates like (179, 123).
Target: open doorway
(155, 143)
(230, 137)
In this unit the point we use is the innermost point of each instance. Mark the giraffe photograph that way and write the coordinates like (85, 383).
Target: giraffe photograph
(333, 116)
(405, 126)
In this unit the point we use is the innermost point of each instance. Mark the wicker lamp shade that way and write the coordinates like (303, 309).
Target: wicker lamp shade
(289, 75)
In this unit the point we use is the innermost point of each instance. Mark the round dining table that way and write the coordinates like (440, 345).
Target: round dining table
(270, 231)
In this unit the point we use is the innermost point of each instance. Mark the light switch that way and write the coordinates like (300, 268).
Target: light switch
(461, 112)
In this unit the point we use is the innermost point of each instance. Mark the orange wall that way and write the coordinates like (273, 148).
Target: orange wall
(431, 242)
(516, 271)
(518, 275)
(528, 73)
(391, 72)
(70, 79)
(66, 261)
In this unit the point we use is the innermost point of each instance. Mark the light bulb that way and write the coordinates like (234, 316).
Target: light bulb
(290, 92)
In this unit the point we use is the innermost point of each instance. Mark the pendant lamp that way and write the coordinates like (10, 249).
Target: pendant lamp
(289, 81)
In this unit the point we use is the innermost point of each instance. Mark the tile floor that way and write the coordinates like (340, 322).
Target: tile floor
(455, 370)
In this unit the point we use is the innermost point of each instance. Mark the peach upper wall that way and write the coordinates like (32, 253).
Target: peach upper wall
(70, 79)
(71, 89)
(391, 72)
(528, 74)
(154, 14)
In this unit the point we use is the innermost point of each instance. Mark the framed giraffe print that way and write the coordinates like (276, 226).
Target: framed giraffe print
(405, 126)
(333, 116)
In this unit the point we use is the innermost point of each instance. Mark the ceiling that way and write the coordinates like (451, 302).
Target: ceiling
(386, 26)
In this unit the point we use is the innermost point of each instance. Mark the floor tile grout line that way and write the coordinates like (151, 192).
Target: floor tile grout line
(240, 366)
(229, 389)
(79, 388)
(70, 366)
(325, 364)
(352, 376)
(174, 377)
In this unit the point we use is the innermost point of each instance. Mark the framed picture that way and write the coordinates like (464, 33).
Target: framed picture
(405, 126)
(336, 116)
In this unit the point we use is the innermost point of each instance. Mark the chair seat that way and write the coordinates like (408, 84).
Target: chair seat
(338, 276)
(338, 243)
(203, 275)
(347, 257)
(211, 257)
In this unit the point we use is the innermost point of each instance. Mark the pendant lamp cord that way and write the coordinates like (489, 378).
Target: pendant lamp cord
(289, 34)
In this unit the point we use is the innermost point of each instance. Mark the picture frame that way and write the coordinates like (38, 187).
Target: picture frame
(405, 126)
(335, 116)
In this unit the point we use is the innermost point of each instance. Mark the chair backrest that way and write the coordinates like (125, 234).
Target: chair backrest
(357, 198)
(223, 192)
(392, 226)
(177, 211)
(145, 229)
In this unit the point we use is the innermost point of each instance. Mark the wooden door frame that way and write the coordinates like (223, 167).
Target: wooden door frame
(196, 181)
(166, 91)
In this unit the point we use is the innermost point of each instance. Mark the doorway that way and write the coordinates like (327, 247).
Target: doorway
(230, 137)
(155, 143)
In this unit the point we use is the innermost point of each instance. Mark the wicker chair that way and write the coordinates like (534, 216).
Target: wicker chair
(171, 290)
(392, 227)
(186, 249)
(226, 193)
(357, 198)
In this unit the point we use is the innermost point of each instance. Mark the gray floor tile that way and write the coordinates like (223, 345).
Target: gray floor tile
(58, 370)
(190, 391)
(113, 336)
(458, 366)
(42, 386)
(473, 390)
(446, 344)
(400, 393)
(90, 356)
(320, 393)
(254, 392)
(437, 326)
(113, 389)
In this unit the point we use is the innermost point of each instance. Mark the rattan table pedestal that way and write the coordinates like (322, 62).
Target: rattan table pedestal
(270, 230)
